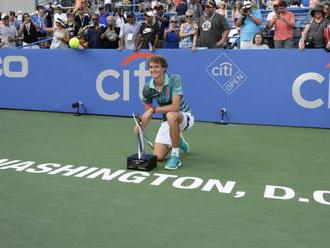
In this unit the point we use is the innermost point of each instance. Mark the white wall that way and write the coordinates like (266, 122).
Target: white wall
(15, 5)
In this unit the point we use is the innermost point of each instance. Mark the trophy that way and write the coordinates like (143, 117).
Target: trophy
(141, 160)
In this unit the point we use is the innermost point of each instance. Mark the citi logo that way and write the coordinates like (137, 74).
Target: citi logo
(223, 70)
(226, 73)
(113, 75)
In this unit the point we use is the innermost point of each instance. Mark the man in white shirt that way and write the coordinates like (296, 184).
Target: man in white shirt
(8, 33)
(59, 14)
(128, 33)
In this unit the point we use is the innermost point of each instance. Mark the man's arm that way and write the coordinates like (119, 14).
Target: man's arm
(173, 107)
(255, 19)
(223, 39)
(290, 21)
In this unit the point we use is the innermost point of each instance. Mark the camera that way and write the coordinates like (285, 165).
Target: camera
(246, 10)
(309, 43)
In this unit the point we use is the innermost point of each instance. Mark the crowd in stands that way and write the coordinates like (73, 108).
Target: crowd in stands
(172, 24)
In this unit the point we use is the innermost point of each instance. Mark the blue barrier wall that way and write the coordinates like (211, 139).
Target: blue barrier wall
(278, 87)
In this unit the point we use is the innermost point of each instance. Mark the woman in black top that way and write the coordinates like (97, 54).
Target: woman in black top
(29, 31)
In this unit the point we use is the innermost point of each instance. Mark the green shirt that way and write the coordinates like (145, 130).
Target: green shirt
(172, 87)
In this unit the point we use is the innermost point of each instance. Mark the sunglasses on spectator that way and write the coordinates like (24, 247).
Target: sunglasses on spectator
(189, 16)
(95, 19)
(174, 21)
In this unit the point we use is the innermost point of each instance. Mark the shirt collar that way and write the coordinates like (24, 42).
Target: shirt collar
(166, 81)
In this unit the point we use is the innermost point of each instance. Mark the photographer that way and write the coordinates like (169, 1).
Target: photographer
(313, 34)
(284, 22)
(249, 22)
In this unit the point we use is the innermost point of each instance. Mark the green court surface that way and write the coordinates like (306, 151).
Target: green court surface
(45, 210)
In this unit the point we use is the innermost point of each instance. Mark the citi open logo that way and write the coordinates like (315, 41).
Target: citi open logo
(226, 74)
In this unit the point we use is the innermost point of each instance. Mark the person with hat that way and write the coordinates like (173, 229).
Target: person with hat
(61, 36)
(284, 22)
(149, 33)
(313, 35)
(128, 33)
(60, 14)
(249, 22)
(8, 32)
(213, 28)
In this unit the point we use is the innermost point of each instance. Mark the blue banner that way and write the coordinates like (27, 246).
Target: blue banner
(276, 87)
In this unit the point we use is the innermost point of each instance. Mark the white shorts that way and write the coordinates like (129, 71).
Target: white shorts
(163, 135)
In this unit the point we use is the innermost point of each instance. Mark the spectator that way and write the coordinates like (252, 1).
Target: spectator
(81, 19)
(60, 14)
(121, 20)
(163, 21)
(107, 5)
(8, 33)
(249, 22)
(197, 8)
(61, 36)
(93, 32)
(39, 20)
(270, 17)
(149, 33)
(111, 35)
(181, 10)
(188, 32)
(313, 4)
(258, 42)
(49, 17)
(172, 34)
(128, 33)
(222, 9)
(19, 17)
(327, 10)
(313, 35)
(13, 20)
(236, 10)
(284, 22)
(103, 16)
(214, 28)
(144, 5)
(70, 24)
(29, 30)
(154, 3)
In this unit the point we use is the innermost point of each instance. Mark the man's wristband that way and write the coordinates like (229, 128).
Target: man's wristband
(153, 109)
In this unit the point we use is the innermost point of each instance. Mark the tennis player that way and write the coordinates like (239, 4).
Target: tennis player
(163, 94)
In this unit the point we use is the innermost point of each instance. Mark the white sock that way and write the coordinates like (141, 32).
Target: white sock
(175, 151)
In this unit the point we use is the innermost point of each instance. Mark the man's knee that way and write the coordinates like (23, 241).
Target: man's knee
(172, 117)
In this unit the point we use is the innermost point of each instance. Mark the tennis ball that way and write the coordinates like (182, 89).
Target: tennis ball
(74, 43)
